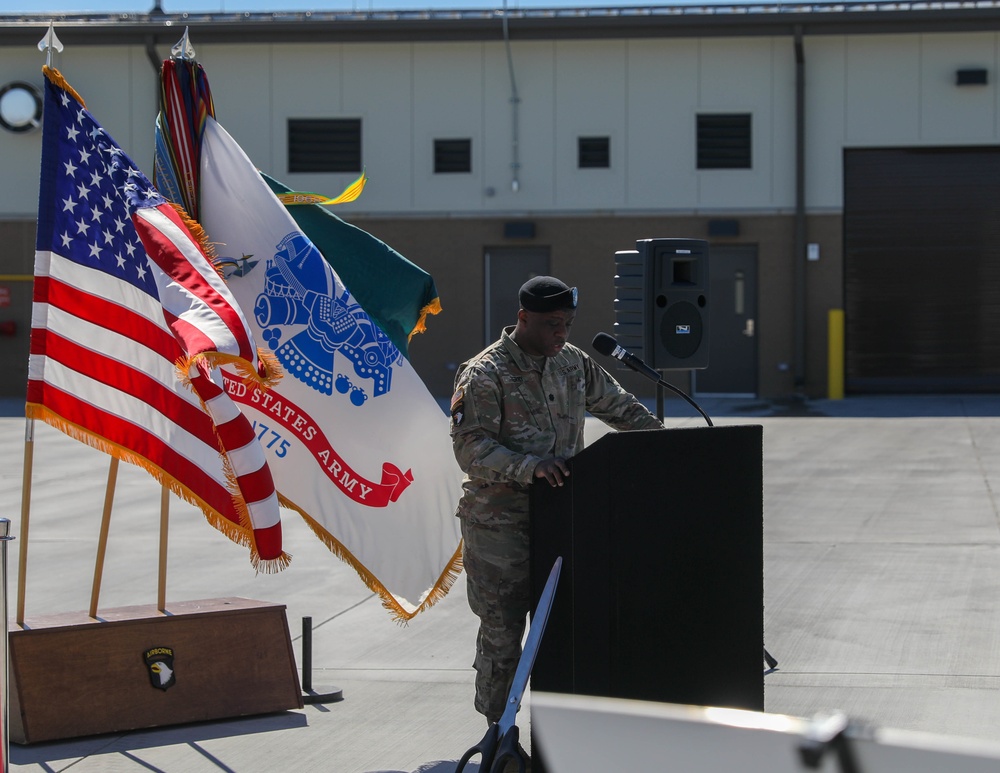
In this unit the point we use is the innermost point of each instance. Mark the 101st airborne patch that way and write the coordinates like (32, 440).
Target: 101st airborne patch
(457, 407)
(160, 661)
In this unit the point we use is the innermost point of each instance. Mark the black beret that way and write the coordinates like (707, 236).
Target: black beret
(546, 293)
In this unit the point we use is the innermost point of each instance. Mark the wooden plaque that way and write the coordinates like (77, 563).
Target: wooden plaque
(136, 667)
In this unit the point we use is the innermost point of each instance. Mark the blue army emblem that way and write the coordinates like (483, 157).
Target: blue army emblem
(160, 661)
(299, 301)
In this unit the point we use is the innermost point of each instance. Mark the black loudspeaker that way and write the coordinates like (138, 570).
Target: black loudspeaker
(661, 302)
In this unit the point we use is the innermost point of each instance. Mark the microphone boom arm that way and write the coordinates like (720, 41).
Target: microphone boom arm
(697, 407)
(608, 346)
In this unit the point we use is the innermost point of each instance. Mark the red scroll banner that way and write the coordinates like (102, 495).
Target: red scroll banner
(300, 425)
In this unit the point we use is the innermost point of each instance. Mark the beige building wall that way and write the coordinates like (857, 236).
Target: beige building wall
(642, 93)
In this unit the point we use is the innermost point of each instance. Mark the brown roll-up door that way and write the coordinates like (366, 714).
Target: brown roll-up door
(922, 269)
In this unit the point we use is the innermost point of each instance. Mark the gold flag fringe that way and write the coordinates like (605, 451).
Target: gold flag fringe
(272, 374)
(434, 307)
(234, 532)
(389, 602)
(200, 237)
(182, 368)
(260, 565)
(57, 78)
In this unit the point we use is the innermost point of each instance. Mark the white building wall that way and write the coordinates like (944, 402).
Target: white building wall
(825, 121)
(893, 91)
(116, 84)
(644, 94)
(378, 88)
(447, 103)
(589, 99)
(534, 74)
(739, 79)
(20, 153)
(662, 98)
(958, 115)
(242, 79)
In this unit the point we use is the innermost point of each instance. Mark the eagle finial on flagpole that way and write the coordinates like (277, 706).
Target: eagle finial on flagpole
(49, 42)
(183, 49)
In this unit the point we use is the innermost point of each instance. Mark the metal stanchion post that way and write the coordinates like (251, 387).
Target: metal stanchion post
(4, 657)
(309, 694)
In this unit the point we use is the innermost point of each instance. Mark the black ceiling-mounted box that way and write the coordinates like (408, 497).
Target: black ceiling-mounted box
(524, 229)
(972, 76)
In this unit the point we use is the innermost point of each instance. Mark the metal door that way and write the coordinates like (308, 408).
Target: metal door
(507, 268)
(922, 269)
(732, 359)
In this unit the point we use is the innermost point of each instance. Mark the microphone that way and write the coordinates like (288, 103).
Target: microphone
(608, 346)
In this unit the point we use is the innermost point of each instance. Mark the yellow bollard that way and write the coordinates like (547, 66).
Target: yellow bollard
(835, 354)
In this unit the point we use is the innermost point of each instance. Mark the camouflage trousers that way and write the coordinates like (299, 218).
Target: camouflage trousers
(496, 563)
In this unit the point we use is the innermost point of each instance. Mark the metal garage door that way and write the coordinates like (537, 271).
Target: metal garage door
(922, 269)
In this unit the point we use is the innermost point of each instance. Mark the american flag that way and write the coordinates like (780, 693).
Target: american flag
(129, 325)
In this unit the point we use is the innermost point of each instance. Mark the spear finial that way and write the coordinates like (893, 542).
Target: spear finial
(49, 42)
(183, 49)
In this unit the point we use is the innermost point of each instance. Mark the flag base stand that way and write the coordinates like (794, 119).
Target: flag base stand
(309, 693)
(137, 667)
(322, 695)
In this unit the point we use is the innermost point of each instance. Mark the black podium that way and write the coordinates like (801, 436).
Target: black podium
(661, 592)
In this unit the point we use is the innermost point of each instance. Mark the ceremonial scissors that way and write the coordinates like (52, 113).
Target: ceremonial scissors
(500, 743)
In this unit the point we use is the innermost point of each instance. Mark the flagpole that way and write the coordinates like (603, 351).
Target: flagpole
(161, 595)
(102, 542)
(22, 560)
(47, 45)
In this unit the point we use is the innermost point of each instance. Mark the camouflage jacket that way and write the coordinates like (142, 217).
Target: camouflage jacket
(507, 414)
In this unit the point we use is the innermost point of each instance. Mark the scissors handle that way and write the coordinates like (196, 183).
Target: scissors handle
(486, 747)
(508, 749)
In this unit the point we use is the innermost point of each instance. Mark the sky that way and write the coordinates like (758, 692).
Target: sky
(258, 6)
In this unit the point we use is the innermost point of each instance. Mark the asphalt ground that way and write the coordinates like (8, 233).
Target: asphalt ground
(882, 592)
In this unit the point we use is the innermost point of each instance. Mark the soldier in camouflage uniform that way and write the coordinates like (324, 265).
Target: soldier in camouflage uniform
(518, 414)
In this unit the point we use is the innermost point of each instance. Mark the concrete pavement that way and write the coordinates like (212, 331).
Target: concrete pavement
(882, 592)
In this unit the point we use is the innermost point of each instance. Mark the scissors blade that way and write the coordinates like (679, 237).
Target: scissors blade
(531, 643)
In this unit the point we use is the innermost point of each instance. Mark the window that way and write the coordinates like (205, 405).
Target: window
(452, 156)
(594, 152)
(324, 144)
(724, 141)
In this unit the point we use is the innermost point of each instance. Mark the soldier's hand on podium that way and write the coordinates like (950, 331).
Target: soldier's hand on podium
(554, 470)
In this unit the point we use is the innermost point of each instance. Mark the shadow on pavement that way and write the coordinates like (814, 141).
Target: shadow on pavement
(149, 738)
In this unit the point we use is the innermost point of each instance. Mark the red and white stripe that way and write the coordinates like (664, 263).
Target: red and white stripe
(196, 302)
(107, 366)
(103, 358)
